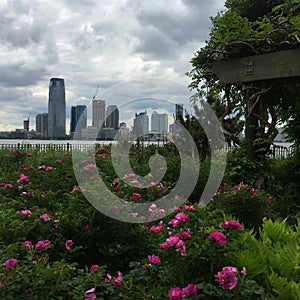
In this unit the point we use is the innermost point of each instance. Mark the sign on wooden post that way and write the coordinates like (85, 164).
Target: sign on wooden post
(280, 64)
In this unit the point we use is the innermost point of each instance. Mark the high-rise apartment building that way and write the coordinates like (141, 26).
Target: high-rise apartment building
(140, 124)
(159, 123)
(78, 120)
(41, 124)
(112, 117)
(98, 113)
(57, 109)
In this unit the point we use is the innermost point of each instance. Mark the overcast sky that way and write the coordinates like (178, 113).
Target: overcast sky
(132, 49)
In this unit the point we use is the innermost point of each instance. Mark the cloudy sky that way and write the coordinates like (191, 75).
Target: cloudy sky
(132, 49)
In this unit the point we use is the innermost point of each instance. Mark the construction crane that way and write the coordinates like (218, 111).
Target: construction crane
(98, 86)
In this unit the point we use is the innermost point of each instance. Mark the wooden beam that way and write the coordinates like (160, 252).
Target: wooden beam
(281, 64)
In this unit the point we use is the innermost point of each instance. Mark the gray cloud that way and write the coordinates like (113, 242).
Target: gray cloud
(90, 43)
(18, 74)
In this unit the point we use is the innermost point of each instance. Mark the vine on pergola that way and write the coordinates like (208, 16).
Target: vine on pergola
(235, 35)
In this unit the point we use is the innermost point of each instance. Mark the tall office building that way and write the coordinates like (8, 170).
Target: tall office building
(41, 124)
(178, 111)
(78, 120)
(140, 124)
(112, 117)
(57, 109)
(26, 124)
(159, 123)
(98, 113)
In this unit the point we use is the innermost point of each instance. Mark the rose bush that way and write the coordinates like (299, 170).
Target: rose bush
(55, 245)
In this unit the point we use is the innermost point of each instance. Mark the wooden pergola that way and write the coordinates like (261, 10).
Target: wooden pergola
(253, 71)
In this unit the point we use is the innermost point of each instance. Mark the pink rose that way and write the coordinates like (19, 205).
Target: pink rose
(218, 237)
(185, 235)
(182, 217)
(154, 259)
(90, 294)
(10, 263)
(231, 224)
(46, 217)
(244, 272)
(156, 229)
(94, 268)
(40, 245)
(227, 278)
(175, 294)
(26, 212)
(117, 281)
(69, 244)
(28, 243)
(189, 290)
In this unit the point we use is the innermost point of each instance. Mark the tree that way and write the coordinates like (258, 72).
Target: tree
(248, 28)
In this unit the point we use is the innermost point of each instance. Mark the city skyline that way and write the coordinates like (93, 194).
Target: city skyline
(94, 44)
(102, 116)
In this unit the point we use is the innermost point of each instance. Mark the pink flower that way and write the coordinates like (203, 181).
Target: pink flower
(46, 217)
(189, 207)
(28, 243)
(46, 243)
(90, 294)
(172, 240)
(156, 229)
(231, 224)
(136, 196)
(227, 278)
(26, 212)
(22, 178)
(154, 259)
(164, 245)
(86, 227)
(244, 272)
(189, 290)
(162, 212)
(181, 246)
(175, 294)
(185, 235)
(182, 217)
(218, 237)
(94, 268)
(75, 188)
(69, 244)
(117, 281)
(10, 263)
(89, 166)
(42, 244)
(174, 222)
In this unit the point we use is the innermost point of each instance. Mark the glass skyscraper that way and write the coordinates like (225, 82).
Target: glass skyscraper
(112, 117)
(57, 109)
(78, 119)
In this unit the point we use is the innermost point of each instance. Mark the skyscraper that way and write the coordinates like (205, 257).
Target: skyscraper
(57, 109)
(140, 124)
(41, 124)
(178, 111)
(78, 119)
(98, 113)
(112, 117)
(159, 123)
